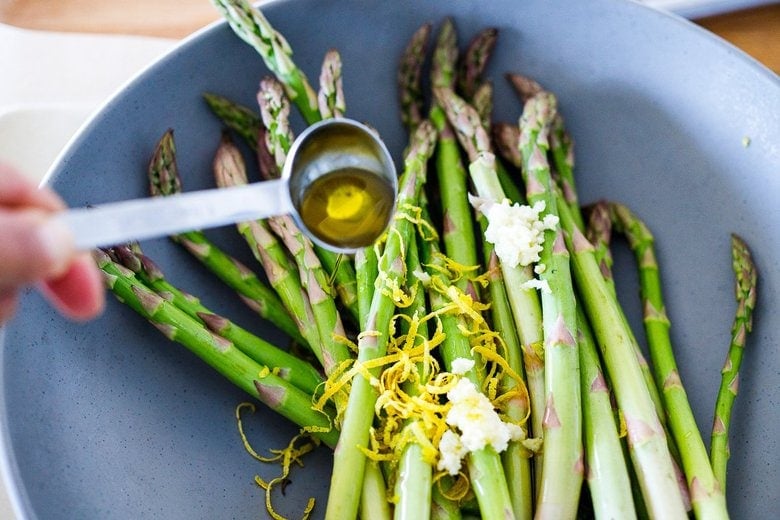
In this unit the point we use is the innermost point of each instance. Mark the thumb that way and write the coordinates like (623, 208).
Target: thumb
(33, 246)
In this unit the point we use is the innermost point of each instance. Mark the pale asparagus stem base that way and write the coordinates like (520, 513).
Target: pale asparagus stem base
(647, 442)
(563, 466)
(707, 497)
(746, 279)
(608, 479)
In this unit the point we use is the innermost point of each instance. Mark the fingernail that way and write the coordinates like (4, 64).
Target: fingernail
(56, 241)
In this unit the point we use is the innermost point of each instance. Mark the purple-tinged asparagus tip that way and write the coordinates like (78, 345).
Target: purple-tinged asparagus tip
(164, 176)
(229, 167)
(506, 138)
(475, 60)
(525, 87)
(445, 56)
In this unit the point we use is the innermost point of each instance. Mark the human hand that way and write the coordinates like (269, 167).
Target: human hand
(37, 250)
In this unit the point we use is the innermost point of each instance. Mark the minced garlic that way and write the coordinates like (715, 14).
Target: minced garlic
(461, 365)
(517, 230)
(480, 426)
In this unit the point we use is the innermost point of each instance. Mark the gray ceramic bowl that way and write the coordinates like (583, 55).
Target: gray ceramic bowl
(110, 420)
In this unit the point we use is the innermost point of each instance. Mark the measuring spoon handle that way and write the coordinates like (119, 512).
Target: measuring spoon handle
(139, 219)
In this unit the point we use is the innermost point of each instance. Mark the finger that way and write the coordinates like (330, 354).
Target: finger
(8, 301)
(17, 191)
(33, 246)
(78, 294)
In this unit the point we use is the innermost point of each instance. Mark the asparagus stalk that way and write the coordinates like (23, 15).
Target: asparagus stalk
(313, 277)
(608, 478)
(251, 25)
(746, 279)
(524, 302)
(486, 473)
(517, 458)
(164, 180)
(229, 170)
(288, 367)
(255, 379)
(706, 494)
(459, 238)
(648, 447)
(349, 459)
(274, 109)
(414, 475)
(458, 232)
(305, 298)
(562, 470)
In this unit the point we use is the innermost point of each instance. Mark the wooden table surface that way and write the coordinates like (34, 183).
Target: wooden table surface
(756, 31)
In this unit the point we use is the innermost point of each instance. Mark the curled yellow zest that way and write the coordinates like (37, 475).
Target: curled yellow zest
(298, 446)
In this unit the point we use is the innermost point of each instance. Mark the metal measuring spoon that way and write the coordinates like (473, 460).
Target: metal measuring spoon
(339, 184)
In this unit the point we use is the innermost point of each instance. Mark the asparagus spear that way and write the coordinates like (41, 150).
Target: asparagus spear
(289, 367)
(486, 474)
(313, 277)
(414, 475)
(255, 379)
(251, 25)
(562, 470)
(238, 118)
(164, 180)
(646, 439)
(229, 170)
(349, 460)
(524, 302)
(706, 495)
(274, 109)
(457, 224)
(746, 278)
(609, 482)
(460, 244)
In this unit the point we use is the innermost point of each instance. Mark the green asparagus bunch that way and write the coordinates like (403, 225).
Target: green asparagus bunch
(491, 292)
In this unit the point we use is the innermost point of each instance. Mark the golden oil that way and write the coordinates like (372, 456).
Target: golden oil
(348, 207)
